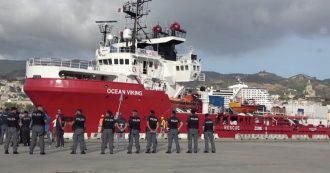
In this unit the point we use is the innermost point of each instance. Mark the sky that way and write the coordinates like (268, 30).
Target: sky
(286, 37)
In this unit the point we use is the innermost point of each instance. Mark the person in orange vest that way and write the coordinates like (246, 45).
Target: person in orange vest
(163, 126)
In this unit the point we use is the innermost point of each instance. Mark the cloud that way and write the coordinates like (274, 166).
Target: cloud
(64, 28)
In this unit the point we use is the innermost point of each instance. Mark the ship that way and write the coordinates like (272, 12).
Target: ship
(140, 69)
(132, 70)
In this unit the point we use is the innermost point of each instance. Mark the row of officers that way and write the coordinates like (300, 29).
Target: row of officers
(112, 126)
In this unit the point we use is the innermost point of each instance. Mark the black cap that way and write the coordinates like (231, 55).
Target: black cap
(152, 111)
(206, 115)
(193, 111)
(13, 108)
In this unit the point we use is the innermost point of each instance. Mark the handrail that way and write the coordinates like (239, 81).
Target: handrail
(80, 64)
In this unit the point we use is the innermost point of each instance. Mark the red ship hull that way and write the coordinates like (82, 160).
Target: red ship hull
(95, 98)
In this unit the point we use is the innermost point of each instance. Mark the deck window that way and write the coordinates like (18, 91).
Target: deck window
(116, 61)
(121, 61)
(197, 68)
(110, 61)
(186, 67)
(181, 68)
(177, 68)
(126, 61)
(105, 61)
(150, 63)
(194, 67)
(100, 62)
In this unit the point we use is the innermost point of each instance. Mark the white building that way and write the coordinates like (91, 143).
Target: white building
(258, 96)
(241, 92)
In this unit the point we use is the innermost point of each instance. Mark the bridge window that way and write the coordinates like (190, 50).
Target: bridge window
(116, 61)
(134, 62)
(194, 67)
(186, 67)
(197, 68)
(150, 64)
(110, 61)
(100, 62)
(181, 68)
(105, 61)
(177, 68)
(121, 61)
(126, 61)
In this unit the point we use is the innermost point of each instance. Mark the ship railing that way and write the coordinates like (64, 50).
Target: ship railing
(81, 64)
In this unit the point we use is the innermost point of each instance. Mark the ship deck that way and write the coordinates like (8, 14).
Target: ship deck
(233, 157)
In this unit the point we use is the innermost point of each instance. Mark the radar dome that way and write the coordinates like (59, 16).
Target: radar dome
(109, 36)
(127, 34)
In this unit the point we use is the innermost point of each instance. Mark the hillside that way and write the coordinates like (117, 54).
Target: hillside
(11, 69)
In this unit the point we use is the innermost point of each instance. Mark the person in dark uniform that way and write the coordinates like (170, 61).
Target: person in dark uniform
(173, 132)
(59, 128)
(37, 125)
(192, 125)
(134, 125)
(208, 127)
(151, 132)
(12, 130)
(25, 128)
(108, 126)
(4, 125)
(78, 127)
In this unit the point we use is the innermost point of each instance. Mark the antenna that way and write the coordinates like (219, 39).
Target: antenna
(135, 11)
(105, 28)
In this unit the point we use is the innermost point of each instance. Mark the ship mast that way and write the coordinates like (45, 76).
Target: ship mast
(105, 28)
(135, 11)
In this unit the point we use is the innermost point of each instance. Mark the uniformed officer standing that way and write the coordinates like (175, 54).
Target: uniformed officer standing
(108, 126)
(4, 125)
(38, 131)
(134, 124)
(12, 130)
(173, 132)
(192, 124)
(25, 128)
(78, 127)
(152, 127)
(208, 127)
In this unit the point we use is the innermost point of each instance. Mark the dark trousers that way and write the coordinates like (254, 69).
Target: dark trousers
(151, 140)
(193, 136)
(173, 134)
(59, 138)
(134, 136)
(38, 132)
(208, 136)
(11, 136)
(107, 138)
(78, 137)
(25, 135)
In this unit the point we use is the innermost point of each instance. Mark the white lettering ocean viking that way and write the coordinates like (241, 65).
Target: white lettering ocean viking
(124, 92)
